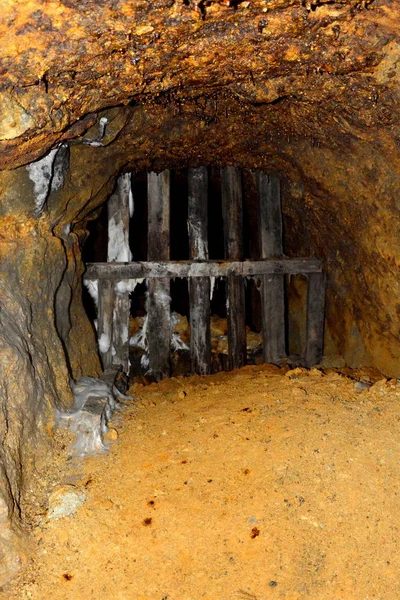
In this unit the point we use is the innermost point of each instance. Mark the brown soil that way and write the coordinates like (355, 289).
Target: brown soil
(248, 485)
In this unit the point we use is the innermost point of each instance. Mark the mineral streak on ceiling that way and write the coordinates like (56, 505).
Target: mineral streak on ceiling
(327, 63)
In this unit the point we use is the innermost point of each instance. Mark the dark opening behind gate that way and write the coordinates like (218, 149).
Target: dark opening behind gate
(118, 277)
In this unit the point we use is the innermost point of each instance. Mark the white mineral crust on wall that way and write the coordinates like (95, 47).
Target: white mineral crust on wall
(118, 237)
(93, 289)
(128, 285)
(47, 175)
(102, 131)
(104, 343)
(94, 402)
(212, 286)
(131, 200)
(118, 246)
(40, 173)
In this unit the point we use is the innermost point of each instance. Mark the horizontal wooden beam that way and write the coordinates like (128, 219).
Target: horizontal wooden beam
(156, 270)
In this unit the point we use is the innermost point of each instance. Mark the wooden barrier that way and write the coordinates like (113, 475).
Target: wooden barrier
(269, 271)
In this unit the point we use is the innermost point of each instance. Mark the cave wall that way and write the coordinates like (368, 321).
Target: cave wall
(45, 336)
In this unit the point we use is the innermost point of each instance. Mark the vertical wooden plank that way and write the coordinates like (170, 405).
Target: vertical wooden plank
(315, 318)
(120, 337)
(120, 207)
(251, 224)
(199, 287)
(158, 248)
(105, 321)
(118, 210)
(272, 290)
(158, 190)
(232, 214)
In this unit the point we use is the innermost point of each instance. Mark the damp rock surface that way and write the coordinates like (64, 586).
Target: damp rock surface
(61, 63)
(241, 485)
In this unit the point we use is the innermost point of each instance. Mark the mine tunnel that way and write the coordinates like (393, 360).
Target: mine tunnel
(202, 130)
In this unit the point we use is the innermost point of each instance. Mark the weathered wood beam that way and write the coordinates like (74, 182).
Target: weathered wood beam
(315, 318)
(106, 297)
(158, 248)
(158, 201)
(199, 287)
(272, 289)
(120, 338)
(232, 215)
(119, 208)
(118, 212)
(181, 269)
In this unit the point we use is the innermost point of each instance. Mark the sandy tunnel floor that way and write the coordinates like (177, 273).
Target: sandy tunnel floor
(248, 485)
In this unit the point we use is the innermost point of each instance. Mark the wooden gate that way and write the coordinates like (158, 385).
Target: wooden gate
(115, 277)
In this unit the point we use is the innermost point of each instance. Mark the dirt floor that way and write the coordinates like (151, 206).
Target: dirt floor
(250, 485)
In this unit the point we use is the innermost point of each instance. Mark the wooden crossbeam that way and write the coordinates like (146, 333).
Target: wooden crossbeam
(186, 268)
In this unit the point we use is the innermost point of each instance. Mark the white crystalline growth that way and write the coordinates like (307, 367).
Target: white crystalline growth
(118, 236)
(124, 334)
(104, 343)
(40, 172)
(102, 131)
(128, 285)
(94, 402)
(47, 175)
(177, 342)
(102, 126)
(145, 361)
(212, 287)
(131, 201)
(200, 244)
(93, 289)
(59, 167)
(118, 245)
(140, 338)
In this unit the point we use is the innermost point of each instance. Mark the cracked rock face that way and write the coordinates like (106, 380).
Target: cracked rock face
(335, 64)
(89, 89)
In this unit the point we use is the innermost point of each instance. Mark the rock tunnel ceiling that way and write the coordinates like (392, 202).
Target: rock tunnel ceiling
(319, 70)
